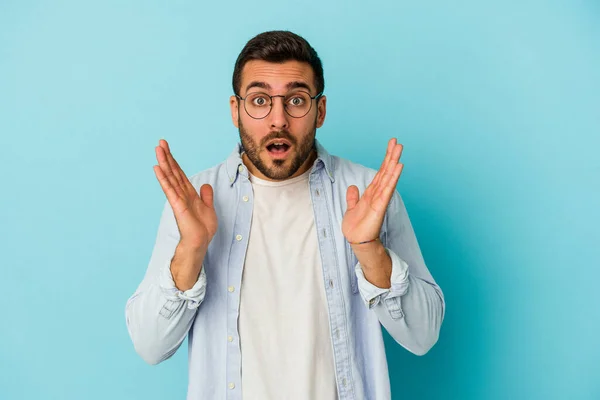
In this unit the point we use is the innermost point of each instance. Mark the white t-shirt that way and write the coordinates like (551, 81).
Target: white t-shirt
(283, 323)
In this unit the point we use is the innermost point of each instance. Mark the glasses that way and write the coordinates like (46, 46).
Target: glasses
(297, 104)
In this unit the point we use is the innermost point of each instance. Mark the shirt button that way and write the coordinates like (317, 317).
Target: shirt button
(238, 237)
(231, 385)
(371, 302)
(231, 288)
(245, 198)
(331, 283)
(230, 338)
(344, 382)
(241, 168)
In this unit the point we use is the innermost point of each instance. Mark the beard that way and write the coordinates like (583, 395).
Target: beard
(280, 169)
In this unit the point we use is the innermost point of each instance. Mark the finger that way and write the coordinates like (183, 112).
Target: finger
(388, 152)
(390, 178)
(397, 153)
(388, 172)
(384, 195)
(374, 187)
(385, 163)
(168, 172)
(207, 194)
(165, 184)
(182, 178)
(164, 144)
(177, 170)
(392, 160)
(352, 196)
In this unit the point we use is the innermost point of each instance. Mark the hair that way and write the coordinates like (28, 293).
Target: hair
(278, 47)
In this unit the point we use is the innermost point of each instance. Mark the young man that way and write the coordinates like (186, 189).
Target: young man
(281, 263)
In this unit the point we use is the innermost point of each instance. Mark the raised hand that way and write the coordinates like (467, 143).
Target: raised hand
(195, 214)
(364, 217)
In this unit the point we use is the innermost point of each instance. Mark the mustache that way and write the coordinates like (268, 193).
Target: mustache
(279, 135)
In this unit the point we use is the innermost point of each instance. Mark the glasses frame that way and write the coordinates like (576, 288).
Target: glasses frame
(284, 105)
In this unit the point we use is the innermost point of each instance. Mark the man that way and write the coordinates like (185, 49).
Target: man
(281, 264)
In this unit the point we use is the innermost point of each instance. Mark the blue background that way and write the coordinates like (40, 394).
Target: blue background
(497, 105)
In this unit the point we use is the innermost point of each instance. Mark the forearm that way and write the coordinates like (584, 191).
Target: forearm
(186, 265)
(410, 308)
(157, 322)
(375, 262)
(159, 314)
(413, 319)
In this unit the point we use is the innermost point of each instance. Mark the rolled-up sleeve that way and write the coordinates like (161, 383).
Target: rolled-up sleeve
(413, 307)
(193, 296)
(372, 294)
(158, 315)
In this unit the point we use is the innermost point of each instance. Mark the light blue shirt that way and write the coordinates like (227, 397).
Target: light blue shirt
(159, 316)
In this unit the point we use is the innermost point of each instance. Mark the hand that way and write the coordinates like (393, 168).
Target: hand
(364, 217)
(195, 214)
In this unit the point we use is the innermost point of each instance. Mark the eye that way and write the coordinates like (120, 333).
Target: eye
(296, 101)
(259, 100)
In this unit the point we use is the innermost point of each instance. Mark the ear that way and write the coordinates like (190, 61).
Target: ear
(321, 111)
(233, 105)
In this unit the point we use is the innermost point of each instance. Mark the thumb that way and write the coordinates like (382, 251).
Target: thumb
(206, 194)
(352, 196)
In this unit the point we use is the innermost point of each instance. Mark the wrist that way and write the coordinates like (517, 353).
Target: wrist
(371, 255)
(186, 265)
(376, 264)
(365, 241)
(191, 248)
(374, 247)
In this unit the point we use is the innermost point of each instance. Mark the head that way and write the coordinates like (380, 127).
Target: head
(284, 65)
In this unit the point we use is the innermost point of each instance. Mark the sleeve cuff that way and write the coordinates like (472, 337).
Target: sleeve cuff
(372, 294)
(192, 296)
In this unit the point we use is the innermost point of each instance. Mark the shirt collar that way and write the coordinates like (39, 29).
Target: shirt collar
(234, 161)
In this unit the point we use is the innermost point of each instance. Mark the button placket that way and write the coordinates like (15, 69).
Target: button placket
(335, 301)
(241, 232)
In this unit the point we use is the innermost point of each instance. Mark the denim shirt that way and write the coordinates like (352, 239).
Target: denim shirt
(159, 316)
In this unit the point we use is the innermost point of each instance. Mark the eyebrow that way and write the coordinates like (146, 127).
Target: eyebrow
(290, 85)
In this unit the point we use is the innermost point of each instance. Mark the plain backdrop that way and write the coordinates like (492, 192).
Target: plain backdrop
(496, 102)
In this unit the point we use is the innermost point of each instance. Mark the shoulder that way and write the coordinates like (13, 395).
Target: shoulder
(347, 172)
(215, 176)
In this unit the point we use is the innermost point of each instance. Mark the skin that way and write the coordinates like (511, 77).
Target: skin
(195, 213)
(256, 133)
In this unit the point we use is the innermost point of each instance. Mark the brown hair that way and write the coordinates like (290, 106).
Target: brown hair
(278, 47)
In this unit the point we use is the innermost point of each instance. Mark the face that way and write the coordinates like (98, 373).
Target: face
(296, 156)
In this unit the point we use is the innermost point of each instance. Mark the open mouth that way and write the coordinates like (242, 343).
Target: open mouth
(278, 149)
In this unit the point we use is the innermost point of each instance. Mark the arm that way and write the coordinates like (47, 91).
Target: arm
(162, 309)
(395, 282)
(159, 314)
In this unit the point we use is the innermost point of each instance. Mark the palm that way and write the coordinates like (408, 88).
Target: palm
(194, 212)
(364, 216)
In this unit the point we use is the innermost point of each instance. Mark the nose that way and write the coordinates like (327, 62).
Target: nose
(278, 118)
